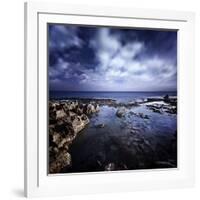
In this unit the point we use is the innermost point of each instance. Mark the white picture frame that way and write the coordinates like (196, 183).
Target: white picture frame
(37, 180)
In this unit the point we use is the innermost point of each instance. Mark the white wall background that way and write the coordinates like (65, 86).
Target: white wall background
(11, 99)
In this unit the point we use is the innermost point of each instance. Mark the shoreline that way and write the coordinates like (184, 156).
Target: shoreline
(115, 102)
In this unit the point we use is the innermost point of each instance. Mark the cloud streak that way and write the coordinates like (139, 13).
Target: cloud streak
(111, 59)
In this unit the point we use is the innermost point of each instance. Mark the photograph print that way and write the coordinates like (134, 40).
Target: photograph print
(112, 98)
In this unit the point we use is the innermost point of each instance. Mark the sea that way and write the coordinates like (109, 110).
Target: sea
(118, 96)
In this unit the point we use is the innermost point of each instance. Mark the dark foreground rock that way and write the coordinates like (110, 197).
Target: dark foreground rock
(66, 120)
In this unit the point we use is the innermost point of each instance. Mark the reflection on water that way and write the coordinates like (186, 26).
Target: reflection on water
(130, 142)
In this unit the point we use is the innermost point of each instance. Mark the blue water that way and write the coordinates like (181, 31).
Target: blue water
(94, 148)
(119, 96)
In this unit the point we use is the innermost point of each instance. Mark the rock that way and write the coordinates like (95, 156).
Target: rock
(65, 142)
(121, 112)
(164, 164)
(134, 130)
(152, 99)
(90, 109)
(100, 125)
(61, 127)
(97, 108)
(56, 150)
(80, 122)
(79, 111)
(60, 114)
(99, 163)
(72, 105)
(171, 110)
(155, 108)
(56, 138)
(143, 116)
(62, 159)
(132, 113)
(87, 109)
(133, 103)
(66, 119)
(110, 167)
(166, 98)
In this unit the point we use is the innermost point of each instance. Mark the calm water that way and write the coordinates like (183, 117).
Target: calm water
(130, 142)
(95, 147)
(119, 96)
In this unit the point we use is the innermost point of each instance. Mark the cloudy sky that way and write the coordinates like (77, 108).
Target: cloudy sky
(111, 59)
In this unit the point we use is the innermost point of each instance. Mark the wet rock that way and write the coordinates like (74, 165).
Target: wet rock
(72, 105)
(133, 103)
(66, 120)
(121, 112)
(160, 105)
(100, 125)
(79, 111)
(60, 114)
(99, 163)
(90, 109)
(56, 138)
(141, 115)
(97, 108)
(132, 113)
(164, 164)
(62, 159)
(64, 142)
(110, 167)
(166, 98)
(154, 99)
(134, 130)
(155, 108)
(80, 122)
(171, 110)
(61, 127)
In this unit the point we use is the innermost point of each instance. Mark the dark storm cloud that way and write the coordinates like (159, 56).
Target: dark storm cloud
(111, 59)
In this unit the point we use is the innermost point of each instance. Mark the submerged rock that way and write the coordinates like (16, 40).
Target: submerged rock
(100, 125)
(121, 112)
(164, 164)
(110, 167)
(141, 115)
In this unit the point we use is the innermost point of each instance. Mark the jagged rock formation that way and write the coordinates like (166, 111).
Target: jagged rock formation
(66, 120)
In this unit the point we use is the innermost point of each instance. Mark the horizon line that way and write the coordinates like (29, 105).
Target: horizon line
(111, 91)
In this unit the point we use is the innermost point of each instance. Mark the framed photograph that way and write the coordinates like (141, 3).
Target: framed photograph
(109, 99)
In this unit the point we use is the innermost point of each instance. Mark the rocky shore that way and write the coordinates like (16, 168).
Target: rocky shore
(68, 118)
